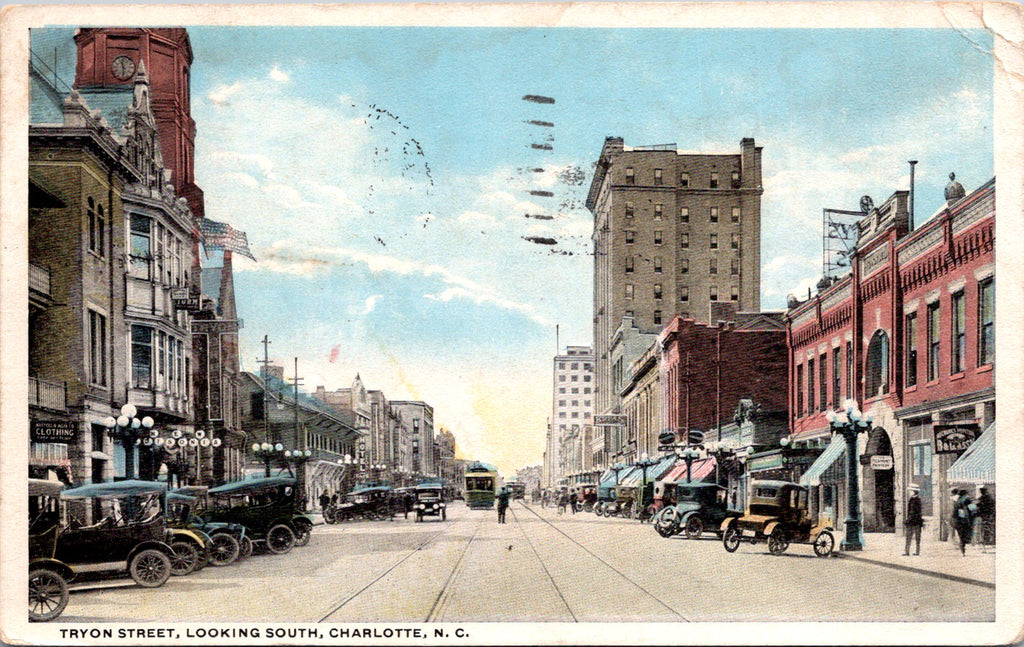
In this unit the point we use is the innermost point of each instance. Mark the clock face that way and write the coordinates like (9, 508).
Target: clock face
(123, 67)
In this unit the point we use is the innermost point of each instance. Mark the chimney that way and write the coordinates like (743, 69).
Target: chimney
(910, 223)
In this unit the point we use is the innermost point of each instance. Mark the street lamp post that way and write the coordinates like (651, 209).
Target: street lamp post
(644, 463)
(688, 455)
(129, 430)
(267, 453)
(849, 424)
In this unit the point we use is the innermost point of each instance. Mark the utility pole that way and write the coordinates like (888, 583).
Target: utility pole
(264, 373)
(297, 380)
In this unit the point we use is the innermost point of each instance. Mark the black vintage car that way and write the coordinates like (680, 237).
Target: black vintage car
(430, 501)
(228, 541)
(777, 514)
(47, 577)
(267, 507)
(698, 507)
(372, 503)
(108, 527)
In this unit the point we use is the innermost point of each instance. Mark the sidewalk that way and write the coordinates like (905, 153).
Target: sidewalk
(939, 559)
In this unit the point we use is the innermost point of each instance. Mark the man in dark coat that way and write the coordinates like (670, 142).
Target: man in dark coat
(502, 504)
(325, 501)
(963, 518)
(987, 514)
(913, 522)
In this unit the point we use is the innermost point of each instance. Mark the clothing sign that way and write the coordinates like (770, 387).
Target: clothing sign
(953, 439)
(53, 431)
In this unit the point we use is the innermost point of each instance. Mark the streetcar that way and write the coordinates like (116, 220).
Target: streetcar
(516, 489)
(481, 485)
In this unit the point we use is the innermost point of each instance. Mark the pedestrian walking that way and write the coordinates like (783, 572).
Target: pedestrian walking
(563, 500)
(573, 498)
(964, 510)
(913, 522)
(987, 515)
(334, 499)
(325, 500)
(502, 504)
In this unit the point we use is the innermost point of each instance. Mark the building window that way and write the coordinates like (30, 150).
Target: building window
(713, 214)
(585, 391)
(714, 241)
(849, 369)
(910, 343)
(561, 365)
(734, 267)
(684, 266)
(958, 338)
(933, 341)
(684, 214)
(561, 403)
(735, 243)
(685, 241)
(574, 378)
(684, 179)
(837, 372)
(712, 266)
(657, 177)
(713, 292)
(561, 378)
(735, 215)
(657, 291)
(734, 293)
(657, 265)
(97, 348)
(921, 459)
(629, 313)
(142, 356)
(659, 210)
(575, 403)
(561, 414)
(629, 290)
(799, 389)
(657, 236)
(561, 389)
(657, 316)
(735, 179)
(586, 378)
(629, 209)
(630, 235)
(876, 370)
(810, 385)
(140, 253)
(629, 264)
(575, 366)
(986, 322)
(823, 382)
(97, 226)
(630, 175)
(714, 180)
(684, 294)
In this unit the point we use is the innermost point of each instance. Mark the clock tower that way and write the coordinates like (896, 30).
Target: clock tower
(108, 59)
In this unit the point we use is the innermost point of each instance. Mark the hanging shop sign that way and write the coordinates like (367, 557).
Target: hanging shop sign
(955, 438)
(609, 421)
(881, 463)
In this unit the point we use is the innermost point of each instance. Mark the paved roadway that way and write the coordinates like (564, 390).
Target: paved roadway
(540, 566)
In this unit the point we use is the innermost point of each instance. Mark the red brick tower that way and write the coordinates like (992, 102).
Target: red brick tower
(108, 59)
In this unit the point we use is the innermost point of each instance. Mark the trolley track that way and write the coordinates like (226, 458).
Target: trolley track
(604, 562)
(444, 595)
(544, 566)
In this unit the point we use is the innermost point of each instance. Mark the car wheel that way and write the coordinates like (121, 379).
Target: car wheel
(731, 539)
(47, 595)
(777, 542)
(150, 568)
(280, 539)
(694, 527)
(245, 548)
(330, 516)
(224, 549)
(303, 534)
(599, 510)
(665, 521)
(824, 543)
(185, 558)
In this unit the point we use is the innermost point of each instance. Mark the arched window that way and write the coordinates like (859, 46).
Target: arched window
(876, 371)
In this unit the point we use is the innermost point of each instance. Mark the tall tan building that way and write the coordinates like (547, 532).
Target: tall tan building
(673, 233)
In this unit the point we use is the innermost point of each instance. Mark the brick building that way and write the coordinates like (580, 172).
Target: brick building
(909, 335)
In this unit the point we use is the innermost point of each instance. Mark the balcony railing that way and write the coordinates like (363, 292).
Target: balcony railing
(39, 279)
(50, 395)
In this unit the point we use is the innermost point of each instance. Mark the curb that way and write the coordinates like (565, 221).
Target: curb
(920, 571)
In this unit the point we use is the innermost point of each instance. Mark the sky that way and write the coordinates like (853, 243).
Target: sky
(384, 176)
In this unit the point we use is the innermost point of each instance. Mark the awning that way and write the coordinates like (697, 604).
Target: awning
(662, 468)
(677, 473)
(835, 449)
(978, 463)
(607, 479)
(699, 470)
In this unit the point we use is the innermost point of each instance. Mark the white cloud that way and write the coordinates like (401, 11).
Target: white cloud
(219, 96)
(370, 304)
(277, 75)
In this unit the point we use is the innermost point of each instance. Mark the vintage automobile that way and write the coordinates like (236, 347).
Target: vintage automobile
(266, 506)
(228, 542)
(588, 496)
(47, 577)
(373, 503)
(109, 527)
(697, 507)
(777, 514)
(430, 501)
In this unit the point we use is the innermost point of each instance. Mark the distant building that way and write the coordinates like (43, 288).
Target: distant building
(419, 419)
(572, 412)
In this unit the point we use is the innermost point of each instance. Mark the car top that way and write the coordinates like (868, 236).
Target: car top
(252, 484)
(39, 487)
(192, 490)
(776, 484)
(178, 496)
(115, 489)
(429, 486)
(375, 488)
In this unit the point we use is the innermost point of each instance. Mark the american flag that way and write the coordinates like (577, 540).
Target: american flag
(220, 235)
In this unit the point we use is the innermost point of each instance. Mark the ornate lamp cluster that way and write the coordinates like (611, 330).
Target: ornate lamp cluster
(267, 452)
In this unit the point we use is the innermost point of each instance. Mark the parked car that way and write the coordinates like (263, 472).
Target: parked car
(372, 503)
(228, 541)
(698, 507)
(430, 502)
(777, 513)
(47, 577)
(267, 507)
(108, 527)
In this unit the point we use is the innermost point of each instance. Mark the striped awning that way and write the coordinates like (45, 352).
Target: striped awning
(978, 463)
(835, 449)
(662, 468)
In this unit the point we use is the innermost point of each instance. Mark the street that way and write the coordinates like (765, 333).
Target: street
(540, 566)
